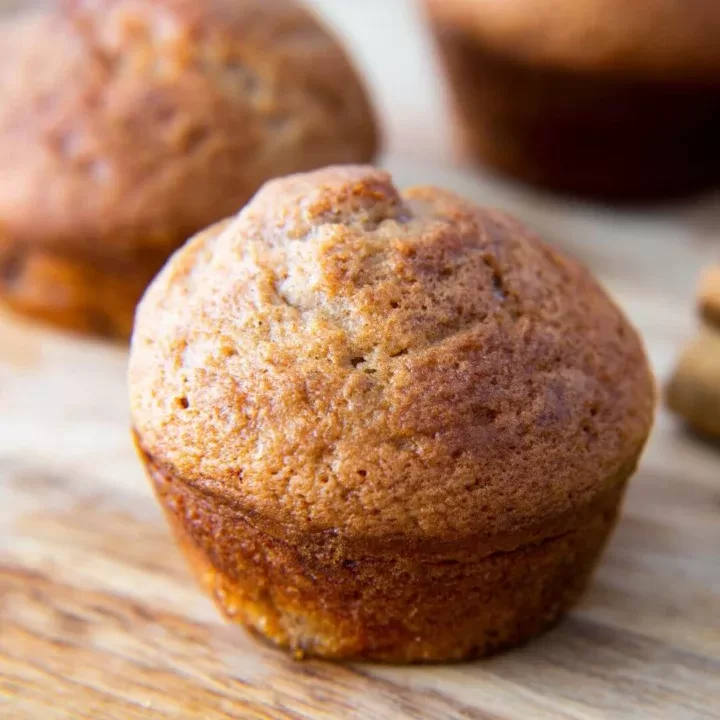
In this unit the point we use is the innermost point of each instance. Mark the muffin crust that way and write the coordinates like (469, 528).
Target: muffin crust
(406, 607)
(128, 125)
(360, 376)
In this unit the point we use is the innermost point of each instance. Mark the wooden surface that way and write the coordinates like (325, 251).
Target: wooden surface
(100, 619)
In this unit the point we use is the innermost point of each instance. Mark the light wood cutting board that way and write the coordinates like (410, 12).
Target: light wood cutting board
(100, 619)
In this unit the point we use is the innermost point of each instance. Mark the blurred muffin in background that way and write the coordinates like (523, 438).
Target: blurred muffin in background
(128, 125)
(614, 100)
(693, 392)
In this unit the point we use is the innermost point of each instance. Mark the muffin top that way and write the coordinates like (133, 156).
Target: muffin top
(128, 125)
(669, 38)
(346, 359)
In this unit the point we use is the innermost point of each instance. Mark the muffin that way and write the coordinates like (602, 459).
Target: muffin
(709, 296)
(126, 126)
(385, 426)
(614, 100)
(693, 392)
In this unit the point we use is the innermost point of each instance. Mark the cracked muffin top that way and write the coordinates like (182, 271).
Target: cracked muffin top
(127, 124)
(346, 359)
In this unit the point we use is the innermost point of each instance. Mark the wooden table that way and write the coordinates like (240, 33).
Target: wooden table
(100, 619)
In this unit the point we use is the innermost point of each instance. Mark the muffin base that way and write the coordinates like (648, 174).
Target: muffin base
(401, 609)
(78, 294)
(606, 136)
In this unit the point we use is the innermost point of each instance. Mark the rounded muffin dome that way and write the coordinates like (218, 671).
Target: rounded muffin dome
(643, 38)
(126, 126)
(369, 364)
(385, 426)
(132, 124)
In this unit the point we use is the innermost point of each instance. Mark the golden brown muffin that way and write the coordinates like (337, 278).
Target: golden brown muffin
(693, 392)
(709, 296)
(605, 98)
(128, 125)
(384, 426)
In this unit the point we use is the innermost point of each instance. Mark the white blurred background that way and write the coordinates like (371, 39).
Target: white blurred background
(390, 44)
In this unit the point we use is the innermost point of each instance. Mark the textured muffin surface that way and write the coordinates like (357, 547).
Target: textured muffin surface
(609, 99)
(133, 105)
(347, 362)
(126, 126)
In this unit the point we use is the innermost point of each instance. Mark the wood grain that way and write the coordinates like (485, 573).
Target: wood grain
(100, 619)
